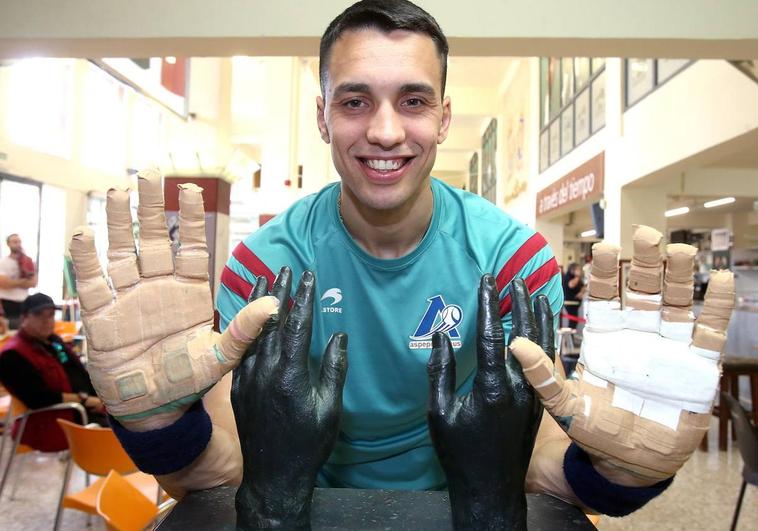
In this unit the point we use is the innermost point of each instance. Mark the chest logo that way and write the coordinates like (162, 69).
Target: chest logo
(439, 317)
(335, 296)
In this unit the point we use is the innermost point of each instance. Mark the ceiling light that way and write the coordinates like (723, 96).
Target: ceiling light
(719, 202)
(588, 233)
(676, 212)
(171, 60)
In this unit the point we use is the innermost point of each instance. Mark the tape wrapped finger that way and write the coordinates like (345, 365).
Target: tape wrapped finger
(155, 248)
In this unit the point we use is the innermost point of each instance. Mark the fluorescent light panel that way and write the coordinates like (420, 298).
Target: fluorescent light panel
(588, 233)
(676, 212)
(719, 202)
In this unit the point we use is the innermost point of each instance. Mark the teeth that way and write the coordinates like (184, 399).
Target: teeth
(384, 165)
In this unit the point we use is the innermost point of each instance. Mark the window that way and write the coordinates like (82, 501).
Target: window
(572, 104)
(643, 76)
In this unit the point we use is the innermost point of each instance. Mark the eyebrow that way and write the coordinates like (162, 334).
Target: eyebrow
(363, 88)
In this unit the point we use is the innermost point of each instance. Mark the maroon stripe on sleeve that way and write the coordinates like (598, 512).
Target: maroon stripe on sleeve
(236, 283)
(519, 259)
(247, 258)
(535, 281)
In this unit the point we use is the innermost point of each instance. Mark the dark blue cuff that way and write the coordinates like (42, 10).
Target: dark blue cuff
(598, 493)
(171, 448)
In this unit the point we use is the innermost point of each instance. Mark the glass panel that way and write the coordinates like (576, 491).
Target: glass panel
(567, 130)
(582, 116)
(598, 102)
(544, 85)
(669, 67)
(639, 79)
(597, 64)
(581, 71)
(544, 151)
(554, 71)
(555, 141)
(19, 214)
(567, 80)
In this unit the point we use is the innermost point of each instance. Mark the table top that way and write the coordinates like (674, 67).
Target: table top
(353, 509)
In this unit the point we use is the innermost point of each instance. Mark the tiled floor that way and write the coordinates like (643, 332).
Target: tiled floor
(702, 498)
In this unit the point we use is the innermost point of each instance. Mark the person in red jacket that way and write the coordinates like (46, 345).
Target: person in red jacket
(39, 369)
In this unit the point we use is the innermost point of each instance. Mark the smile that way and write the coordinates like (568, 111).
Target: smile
(385, 165)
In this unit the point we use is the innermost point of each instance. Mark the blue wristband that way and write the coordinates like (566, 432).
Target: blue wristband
(596, 492)
(168, 449)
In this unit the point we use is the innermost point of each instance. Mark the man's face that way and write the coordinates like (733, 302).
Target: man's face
(39, 324)
(14, 244)
(384, 114)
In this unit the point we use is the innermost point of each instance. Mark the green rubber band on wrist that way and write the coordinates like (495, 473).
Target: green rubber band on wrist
(165, 408)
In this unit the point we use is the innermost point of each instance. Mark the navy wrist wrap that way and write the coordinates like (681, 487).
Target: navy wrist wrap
(600, 494)
(168, 449)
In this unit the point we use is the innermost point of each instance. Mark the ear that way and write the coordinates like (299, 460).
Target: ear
(445, 123)
(321, 119)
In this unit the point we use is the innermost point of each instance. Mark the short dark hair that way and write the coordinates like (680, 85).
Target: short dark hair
(387, 16)
(8, 238)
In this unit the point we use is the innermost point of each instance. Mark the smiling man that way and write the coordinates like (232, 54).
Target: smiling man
(405, 251)
(397, 257)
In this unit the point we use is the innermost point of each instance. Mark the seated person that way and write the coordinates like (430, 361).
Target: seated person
(40, 370)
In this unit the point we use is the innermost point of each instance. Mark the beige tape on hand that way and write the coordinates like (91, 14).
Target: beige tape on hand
(646, 271)
(608, 423)
(604, 273)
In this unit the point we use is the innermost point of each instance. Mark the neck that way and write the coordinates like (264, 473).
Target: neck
(388, 233)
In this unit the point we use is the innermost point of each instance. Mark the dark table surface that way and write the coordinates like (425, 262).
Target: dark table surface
(351, 510)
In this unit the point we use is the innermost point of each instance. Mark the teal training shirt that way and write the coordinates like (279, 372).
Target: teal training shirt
(389, 309)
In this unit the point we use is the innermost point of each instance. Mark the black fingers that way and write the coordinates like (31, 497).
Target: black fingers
(524, 324)
(544, 316)
(491, 377)
(441, 371)
(296, 337)
(260, 289)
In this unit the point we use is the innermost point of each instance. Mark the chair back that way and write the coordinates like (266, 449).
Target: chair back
(96, 450)
(747, 434)
(122, 506)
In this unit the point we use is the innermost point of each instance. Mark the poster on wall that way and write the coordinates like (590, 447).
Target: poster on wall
(515, 112)
(489, 170)
(164, 79)
(473, 174)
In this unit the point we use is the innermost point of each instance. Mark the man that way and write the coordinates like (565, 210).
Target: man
(17, 275)
(397, 256)
(39, 369)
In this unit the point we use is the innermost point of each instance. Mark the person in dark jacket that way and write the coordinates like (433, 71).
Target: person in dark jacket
(40, 370)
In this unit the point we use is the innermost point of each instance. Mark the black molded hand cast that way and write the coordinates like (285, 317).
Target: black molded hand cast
(287, 426)
(484, 440)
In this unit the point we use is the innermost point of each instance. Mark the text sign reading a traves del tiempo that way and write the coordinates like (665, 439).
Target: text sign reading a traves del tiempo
(585, 182)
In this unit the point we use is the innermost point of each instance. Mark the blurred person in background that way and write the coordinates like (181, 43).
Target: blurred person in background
(40, 370)
(17, 275)
(573, 292)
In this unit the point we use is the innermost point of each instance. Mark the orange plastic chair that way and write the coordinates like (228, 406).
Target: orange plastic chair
(19, 412)
(123, 507)
(96, 450)
(66, 330)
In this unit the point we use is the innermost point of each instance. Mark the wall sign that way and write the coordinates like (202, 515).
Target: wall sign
(582, 184)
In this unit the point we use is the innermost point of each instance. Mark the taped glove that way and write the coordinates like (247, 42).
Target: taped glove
(641, 397)
(151, 348)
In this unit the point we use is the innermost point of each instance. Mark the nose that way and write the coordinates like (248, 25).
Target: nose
(386, 127)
